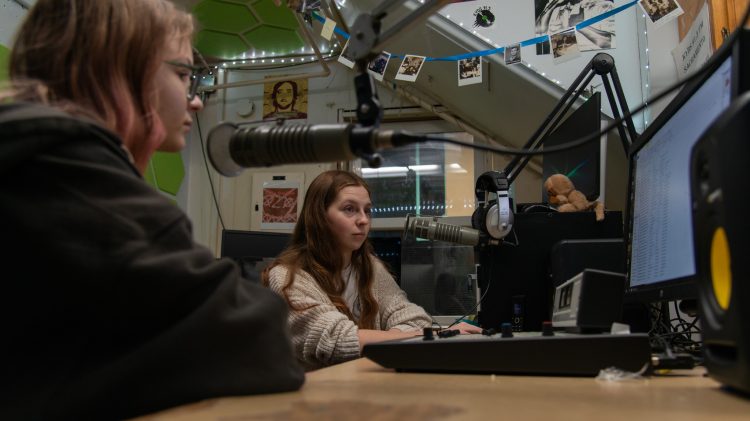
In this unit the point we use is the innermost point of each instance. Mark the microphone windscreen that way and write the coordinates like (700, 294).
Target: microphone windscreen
(268, 145)
(426, 227)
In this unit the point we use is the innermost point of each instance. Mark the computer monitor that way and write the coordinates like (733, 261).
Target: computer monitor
(581, 164)
(252, 250)
(387, 247)
(659, 227)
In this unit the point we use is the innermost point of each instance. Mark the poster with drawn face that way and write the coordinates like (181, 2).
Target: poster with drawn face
(285, 99)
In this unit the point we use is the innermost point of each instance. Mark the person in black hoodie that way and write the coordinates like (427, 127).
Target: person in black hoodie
(109, 309)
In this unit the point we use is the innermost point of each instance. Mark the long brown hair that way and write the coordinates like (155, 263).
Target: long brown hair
(313, 249)
(99, 58)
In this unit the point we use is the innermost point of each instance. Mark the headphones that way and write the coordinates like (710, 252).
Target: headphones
(493, 216)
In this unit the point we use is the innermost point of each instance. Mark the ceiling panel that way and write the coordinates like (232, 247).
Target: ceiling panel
(230, 29)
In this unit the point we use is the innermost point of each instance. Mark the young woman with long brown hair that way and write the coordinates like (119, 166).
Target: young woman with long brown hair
(341, 296)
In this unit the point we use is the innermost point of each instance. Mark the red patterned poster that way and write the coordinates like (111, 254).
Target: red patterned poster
(280, 202)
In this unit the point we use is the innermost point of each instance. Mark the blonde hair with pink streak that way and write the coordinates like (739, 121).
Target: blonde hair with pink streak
(99, 58)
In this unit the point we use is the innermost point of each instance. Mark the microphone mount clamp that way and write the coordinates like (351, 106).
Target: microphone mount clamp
(365, 43)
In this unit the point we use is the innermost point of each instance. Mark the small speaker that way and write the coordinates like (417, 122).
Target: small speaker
(589, 302)
(721, 225)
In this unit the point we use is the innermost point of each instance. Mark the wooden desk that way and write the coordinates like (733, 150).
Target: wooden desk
(362, 390)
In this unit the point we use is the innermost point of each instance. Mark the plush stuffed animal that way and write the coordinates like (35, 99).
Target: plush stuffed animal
(564, 195)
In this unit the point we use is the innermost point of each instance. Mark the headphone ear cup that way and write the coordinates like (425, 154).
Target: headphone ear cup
(479, 219)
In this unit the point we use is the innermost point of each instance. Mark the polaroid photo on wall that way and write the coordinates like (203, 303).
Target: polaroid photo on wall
(661, 11)
(469, 71)
(345, 58)
(377, 66)
(564, 46)
(410, 67)
(328, 27)
(512, 54)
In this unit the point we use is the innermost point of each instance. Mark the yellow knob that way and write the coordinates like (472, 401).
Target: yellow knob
(721, 270)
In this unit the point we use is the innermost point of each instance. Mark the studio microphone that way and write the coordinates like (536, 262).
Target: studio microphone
(429, 228)
(232, 148)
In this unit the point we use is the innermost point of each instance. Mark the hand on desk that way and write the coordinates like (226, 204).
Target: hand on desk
(466, 328)
(367, 336)
(370, 336)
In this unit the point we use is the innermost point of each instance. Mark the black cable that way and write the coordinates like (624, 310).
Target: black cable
(678, 333)
(484, 294)
(692, 325)
(709, 65)
(656, 314)
(515, 235)
(670, 338)
(208, 172)
(545, 208)
(565, 146)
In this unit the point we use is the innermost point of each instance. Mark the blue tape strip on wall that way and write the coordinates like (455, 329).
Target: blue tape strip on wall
(532, 41)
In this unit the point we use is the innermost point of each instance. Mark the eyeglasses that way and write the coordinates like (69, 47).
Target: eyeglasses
(196, 75)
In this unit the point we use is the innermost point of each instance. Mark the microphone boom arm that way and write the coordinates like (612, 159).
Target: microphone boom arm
(603, 65)
(365, 43)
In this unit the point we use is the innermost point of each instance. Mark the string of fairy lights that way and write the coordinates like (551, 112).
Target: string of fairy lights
(335, 48)
(331, 50)
(263, 59)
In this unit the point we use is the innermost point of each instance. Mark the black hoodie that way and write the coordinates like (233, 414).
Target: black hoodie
(108, 308)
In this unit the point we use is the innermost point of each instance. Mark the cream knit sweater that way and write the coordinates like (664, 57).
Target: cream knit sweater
(322, 336)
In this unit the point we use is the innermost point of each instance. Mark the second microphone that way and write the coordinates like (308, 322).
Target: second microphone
(427, 227)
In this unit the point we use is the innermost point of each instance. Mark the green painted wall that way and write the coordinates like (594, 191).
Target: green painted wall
(166, 172)
(4, 58)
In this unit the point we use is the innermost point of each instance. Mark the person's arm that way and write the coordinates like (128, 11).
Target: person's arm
(466, 328)
(321, 335)
(400, 317)
(368, 336)
(395, 309)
